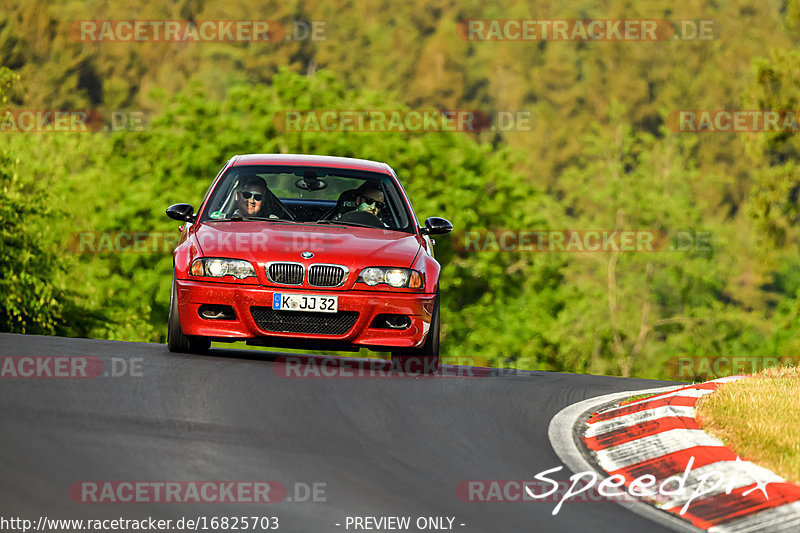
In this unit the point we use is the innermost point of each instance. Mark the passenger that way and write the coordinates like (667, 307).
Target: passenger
(370, 200)
(369, 203)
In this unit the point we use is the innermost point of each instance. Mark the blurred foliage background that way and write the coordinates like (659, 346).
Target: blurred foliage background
(598, 157)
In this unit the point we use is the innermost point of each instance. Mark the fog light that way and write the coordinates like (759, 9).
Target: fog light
(391, 321)
(217, 312)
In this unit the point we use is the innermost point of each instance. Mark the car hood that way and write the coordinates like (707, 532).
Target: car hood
(260, 242)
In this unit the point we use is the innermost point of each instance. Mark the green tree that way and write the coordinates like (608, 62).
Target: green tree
(31, 303)
(775, 200)
(631, 312)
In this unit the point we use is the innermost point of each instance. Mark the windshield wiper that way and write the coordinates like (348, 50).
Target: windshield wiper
(339, 222)
(240, 217)
(264, 219)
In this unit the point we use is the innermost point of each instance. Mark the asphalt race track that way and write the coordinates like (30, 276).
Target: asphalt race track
(376, 446)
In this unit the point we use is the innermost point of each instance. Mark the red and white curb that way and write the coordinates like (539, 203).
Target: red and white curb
(660, 437)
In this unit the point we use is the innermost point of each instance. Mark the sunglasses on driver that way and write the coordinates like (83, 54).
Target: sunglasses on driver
(247, 194)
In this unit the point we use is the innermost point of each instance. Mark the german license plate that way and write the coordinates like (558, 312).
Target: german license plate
(305, 302)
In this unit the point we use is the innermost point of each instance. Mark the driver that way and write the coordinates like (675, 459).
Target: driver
(250, 196)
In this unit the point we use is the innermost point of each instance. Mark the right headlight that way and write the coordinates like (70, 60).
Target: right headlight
(392, 276)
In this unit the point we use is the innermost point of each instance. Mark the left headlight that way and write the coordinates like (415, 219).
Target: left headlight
(394, 277)
(216, 267)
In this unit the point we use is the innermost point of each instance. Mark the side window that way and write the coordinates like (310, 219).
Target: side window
(223, 201)
(395, 213)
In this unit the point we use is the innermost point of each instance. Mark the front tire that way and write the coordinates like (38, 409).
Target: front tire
(176, 340)
(428, 353)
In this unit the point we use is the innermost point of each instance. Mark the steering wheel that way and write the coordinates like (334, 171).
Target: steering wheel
(362, 217)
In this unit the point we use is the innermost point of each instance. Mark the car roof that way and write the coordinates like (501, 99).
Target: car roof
(311, 160)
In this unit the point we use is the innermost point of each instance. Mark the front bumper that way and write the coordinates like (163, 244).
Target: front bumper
(368, 304)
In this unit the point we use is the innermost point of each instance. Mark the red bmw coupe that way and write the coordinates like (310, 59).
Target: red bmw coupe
(303, 251)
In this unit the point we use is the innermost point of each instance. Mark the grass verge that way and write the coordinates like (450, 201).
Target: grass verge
(759, 419)
(637, 397)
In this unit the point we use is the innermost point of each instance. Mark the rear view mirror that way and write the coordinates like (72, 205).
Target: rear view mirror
(310, 182)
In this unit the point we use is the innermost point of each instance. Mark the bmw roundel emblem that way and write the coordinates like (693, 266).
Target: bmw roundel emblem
(306, 255)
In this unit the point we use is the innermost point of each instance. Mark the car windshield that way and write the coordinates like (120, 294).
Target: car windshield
(309, 195)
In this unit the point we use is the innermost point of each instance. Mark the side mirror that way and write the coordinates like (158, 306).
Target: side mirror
(437, 226)
(182, 212)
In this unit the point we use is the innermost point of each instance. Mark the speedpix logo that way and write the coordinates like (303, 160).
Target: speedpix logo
(681, 489)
